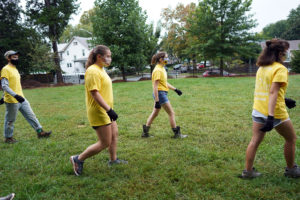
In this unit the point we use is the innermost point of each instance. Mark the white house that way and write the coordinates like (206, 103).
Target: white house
(73, 55)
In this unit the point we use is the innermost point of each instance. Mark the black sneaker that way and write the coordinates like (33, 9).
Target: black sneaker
(77, 165)
(8, 197)
(44, 134)
(250, 174)
(10, 140)
(117, 162)
(292, 173)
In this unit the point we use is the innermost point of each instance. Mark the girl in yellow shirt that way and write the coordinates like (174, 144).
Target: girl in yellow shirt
(99, 104)
(269, 108)
(160, 95)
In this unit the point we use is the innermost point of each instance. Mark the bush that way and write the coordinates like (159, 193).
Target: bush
(295, 62)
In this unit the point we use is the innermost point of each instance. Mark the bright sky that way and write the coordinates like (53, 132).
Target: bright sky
(265, 11)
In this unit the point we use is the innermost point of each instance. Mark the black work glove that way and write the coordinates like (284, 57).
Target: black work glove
(112, 115)
(268, 126)
(1, 101)
(290, 103)
(178, 92)
(19, 98)
(157, 105)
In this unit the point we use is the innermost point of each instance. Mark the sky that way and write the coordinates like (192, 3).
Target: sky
(265, 11)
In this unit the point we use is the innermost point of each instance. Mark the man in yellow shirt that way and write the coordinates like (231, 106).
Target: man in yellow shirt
(14, 99)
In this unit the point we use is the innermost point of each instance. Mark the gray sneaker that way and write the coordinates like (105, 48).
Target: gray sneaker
(250, 174)
(117, 162)
(77, 165)
(8, 197)
(292, 173)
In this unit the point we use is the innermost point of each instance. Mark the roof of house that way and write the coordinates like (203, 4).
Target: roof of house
(294, 44)
(84, 41)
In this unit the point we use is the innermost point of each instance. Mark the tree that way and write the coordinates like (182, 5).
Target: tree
(16, 36)
(51, 17)
(295, 62)
(275, 30)
(222, 29)
(175, 22)
(293, 31)
(121, 25)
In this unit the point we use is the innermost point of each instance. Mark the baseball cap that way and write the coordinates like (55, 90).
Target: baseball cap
(10, 53)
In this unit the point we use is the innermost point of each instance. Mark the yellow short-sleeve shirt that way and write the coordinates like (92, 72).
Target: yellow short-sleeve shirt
(265, 76)
(96, 78)
(11, 73)
(159, 73)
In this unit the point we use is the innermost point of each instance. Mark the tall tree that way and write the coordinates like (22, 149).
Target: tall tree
(176, 22)
(222, 28)
(275, 30)
(121, 25)
(15, 35)
(51, 17)
(295, 62)
(293, 30)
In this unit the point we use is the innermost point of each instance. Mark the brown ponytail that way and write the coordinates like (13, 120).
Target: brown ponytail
(273, 52)
(156, 57)
(99, 49)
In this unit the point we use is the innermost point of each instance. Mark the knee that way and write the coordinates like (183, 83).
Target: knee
(292, 139)
(172, 114)
(106, 143)
(254, 143)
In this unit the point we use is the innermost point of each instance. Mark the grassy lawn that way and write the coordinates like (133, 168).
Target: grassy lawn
(214, 112)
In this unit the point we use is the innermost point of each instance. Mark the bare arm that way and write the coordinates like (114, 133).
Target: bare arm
(171, 86)
(98, 98)
(273, 97)
(155, 90)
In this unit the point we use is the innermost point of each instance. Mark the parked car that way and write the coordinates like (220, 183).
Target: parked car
(216, 73)
(183, 69)
(177, 67)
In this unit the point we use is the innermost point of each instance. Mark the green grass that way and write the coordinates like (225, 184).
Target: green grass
(214, 112)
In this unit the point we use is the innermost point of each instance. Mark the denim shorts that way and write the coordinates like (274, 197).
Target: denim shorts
(162, 96)
(261, 119)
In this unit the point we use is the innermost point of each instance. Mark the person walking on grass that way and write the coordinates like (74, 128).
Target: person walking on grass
(14, 99)
(99, 103)
(160, 95)
(269, 109)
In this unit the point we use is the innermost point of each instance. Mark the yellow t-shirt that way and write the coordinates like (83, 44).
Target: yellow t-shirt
(159, 73)
(11, 73)
(265, 76)
(96, 78)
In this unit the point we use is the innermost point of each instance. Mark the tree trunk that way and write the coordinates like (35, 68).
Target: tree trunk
(123, 73)
(221, 66)
(57, 62)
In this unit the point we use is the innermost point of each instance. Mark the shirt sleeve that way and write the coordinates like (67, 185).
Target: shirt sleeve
(157, 75)
(280, 75)
(93, 81)
(4, 74)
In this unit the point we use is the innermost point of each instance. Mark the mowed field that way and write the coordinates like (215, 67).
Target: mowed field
(214, 112)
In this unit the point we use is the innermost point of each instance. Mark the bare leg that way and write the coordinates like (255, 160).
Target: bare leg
(287, 131)
(257, 138)
(168, 108)
(112, 149)
(153, 115)
(104, 134)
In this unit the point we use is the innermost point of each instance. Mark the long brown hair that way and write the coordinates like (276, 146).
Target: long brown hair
(99, 49)
(273, 52)
(156, 57)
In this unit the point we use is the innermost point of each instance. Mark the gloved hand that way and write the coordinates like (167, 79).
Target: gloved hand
(178, 92)
(112, 115)
(157, 105)
(268, 126)
(19, 98)
(1, 101)
(290, 103)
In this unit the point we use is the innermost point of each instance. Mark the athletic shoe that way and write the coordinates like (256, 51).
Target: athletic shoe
(44, 134)
(250, 174)
(8, 197)
(177, 133)
(117, 162)
(292, 173)
(77, 165)
(10, 140)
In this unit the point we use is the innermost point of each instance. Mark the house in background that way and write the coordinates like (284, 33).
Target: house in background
(73, 55)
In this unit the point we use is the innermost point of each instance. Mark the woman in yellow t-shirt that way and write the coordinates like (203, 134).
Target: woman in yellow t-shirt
(160, 95)
(269, 108)
(99, 104)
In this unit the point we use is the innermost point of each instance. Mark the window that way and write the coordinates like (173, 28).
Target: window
(67, 52)
(74, 57)
(70, 64)
(83, 53)
(75, 43)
